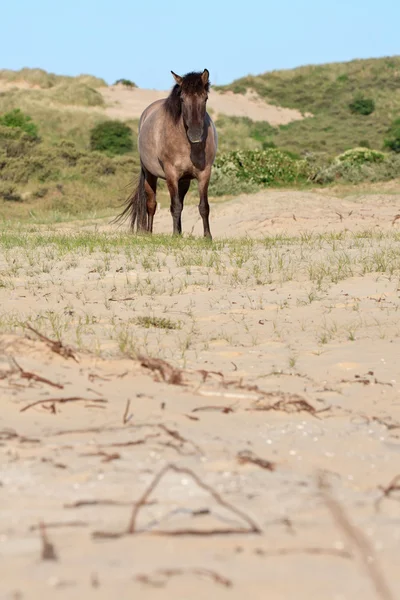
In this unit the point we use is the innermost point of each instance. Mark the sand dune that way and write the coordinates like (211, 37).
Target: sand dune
(123, 103)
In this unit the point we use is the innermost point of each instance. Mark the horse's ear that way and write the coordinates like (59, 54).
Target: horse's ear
(205, 76)
(177, 78)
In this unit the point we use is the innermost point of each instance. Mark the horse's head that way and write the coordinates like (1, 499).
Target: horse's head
(193, 92)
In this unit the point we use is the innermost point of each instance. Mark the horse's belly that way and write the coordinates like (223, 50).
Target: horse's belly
(149, 143)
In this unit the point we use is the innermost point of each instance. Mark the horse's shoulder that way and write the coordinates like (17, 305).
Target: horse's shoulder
(154, 106)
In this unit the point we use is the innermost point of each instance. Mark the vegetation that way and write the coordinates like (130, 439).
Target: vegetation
(83, 164)
(126, 82)
(326, 91)
(112, 137)
(16, 118)
(76, 93)
(42, 79)
(393, 140)
(361, 105)
(260, 168)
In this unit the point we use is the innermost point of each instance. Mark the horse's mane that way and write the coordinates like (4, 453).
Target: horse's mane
(192, 84)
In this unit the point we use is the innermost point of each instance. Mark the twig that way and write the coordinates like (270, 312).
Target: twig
(106, 457)
(245, 456)
(223, 409)
(168, 373)
(58, 524)
(213, 575)
(55, 346)
(80, 503)
(32, 376)
(48, 550)
(62, 401)
(393, 486)
(358, 540)
(177, 436)
(251, 528)
(314, 551)
(125, 418)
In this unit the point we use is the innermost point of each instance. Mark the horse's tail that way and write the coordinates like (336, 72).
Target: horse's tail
(136, 207)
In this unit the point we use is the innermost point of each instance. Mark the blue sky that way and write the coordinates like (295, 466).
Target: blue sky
(143, 40)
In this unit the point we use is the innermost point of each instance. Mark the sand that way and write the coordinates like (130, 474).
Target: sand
(283, 373)
(126, 103)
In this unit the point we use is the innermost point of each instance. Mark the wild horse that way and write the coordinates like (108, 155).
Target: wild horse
(177, 142)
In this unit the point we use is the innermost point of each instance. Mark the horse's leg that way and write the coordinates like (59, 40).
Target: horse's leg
(150, 187)
(204, 207)
(176, 204)
(183, 186)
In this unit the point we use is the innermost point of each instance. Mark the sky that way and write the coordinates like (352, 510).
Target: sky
(144, 40)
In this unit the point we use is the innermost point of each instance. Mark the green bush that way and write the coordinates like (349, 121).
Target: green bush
(126, 83)
(349, 171)
(263, 167)
(18, 120)
(112, 137)
(360, 156)
(393, 140)
(361, 105)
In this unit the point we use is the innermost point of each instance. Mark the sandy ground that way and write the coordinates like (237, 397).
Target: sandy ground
(125, 103)
(279, 402)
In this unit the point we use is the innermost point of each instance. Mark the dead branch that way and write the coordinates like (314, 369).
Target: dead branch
(80, 503)
(223, 409)
(251, 525)
(313, 551)
(177, 436)
(245, 456)
(105, 456)
(62, 401)
(126, 416)
(55, 346)
(59, 524)
(357, 538)
(48, 550)
(32, 376)
(213, 575)
(393, 486)
(168, 373)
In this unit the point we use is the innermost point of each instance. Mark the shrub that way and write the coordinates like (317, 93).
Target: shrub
(9, 193)
(18, 120)
(360, 156)
(361, 105)
(347, 171)
(69, 152)
(112, 137)
(95, 165)
(126, 83)
(264, 167)
(393, 140)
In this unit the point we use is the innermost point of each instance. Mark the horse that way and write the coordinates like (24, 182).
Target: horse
(177, 142)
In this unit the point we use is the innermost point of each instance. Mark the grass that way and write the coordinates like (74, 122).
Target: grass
(159, 322)
(326, 91)
(183, 299)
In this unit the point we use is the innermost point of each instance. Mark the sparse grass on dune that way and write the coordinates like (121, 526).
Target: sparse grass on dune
(123, 294)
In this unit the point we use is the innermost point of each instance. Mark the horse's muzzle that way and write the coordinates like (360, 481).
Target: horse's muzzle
(195, 137)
